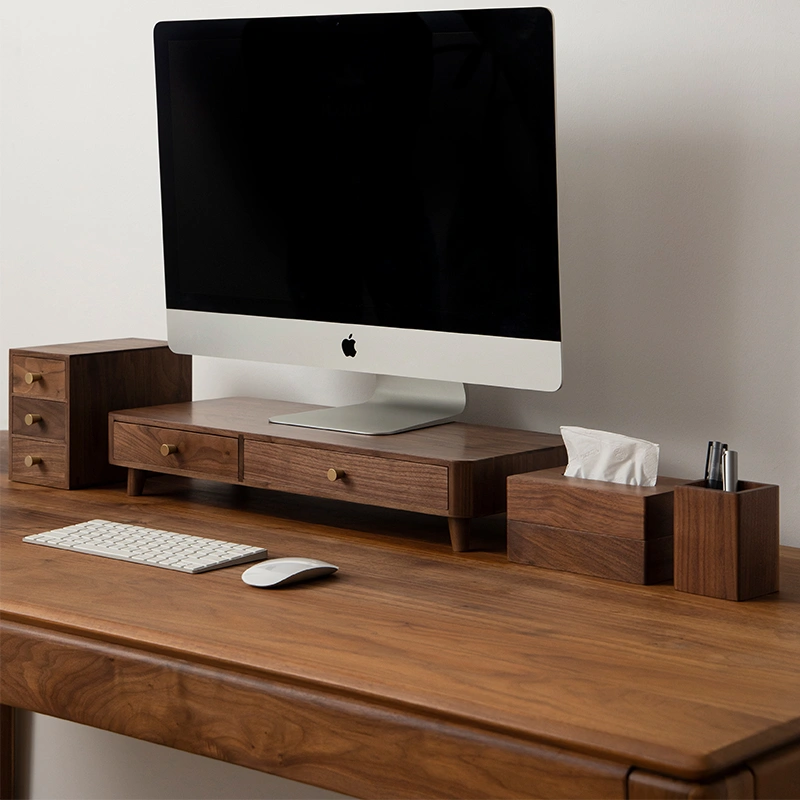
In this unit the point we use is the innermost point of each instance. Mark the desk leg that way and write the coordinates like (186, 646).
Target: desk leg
(459, 533)
(643, 785)
(7, 791)
(136, 479)
(777, 775)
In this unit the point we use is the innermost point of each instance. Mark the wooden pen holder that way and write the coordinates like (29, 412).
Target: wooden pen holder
(727, 543)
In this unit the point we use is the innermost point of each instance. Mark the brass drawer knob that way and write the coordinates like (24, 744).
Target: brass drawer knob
(335, 474)
(31, 418)
(31, 460)
(168, 449)
(32, 377)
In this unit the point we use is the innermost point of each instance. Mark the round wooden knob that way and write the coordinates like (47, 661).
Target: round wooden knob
(31, 418)
(168, 449)
(335, 474)
(32, 377)
(31, 460)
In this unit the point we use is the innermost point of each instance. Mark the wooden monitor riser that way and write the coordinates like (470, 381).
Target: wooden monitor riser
(455, 470)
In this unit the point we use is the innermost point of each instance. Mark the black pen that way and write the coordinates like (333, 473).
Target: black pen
(714, 464)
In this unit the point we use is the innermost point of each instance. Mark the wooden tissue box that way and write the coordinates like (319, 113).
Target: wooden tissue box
(727, 543)
(608, 530)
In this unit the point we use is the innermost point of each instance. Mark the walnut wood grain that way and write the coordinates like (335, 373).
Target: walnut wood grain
(82, 382)
(249, 416)
(389, 482)
(727, 543)
(550, 498)
(619, 558)
(53, 384)
(50, 471)
(136, 481)
(478, 486)
(296, 731)
(198, 454)
(459, 533)
(447, 654)
(53, 422)
(777, 775)
(607, 530)
(648, 786)
(91, 347)
(456, 470)
(138, 373)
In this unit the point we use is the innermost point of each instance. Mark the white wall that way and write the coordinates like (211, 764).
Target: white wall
(679, 162)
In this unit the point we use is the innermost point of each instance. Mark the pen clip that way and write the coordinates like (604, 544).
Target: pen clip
(730, 471)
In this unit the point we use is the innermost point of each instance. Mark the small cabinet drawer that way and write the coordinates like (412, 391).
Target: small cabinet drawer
(346, 476)
(39, 377)
(42, 419)
(170, 450)
(38, 461)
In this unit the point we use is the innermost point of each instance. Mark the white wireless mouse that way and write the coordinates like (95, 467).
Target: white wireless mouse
(282, 571)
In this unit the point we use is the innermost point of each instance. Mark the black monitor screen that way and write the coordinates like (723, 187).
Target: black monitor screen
(380, 169)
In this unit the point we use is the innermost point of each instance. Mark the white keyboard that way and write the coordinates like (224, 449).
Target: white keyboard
(139, 545)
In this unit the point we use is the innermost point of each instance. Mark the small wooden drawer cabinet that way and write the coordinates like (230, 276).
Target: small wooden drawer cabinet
(60, 396)
(455, 470)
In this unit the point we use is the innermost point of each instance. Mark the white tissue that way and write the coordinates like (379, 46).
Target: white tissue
(603, 456)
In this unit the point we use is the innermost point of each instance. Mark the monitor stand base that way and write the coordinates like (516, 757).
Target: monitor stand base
(397, 405)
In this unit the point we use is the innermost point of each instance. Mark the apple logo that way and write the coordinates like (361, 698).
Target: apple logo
(349, 346)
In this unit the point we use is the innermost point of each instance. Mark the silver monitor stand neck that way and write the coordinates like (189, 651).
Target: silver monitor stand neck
(398, 404)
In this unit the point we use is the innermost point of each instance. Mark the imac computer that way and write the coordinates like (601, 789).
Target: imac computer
(366, 192)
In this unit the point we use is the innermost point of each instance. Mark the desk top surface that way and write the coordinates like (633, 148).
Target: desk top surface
(641, 675)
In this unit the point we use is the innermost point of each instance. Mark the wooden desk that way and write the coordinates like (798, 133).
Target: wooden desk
(414, 672)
